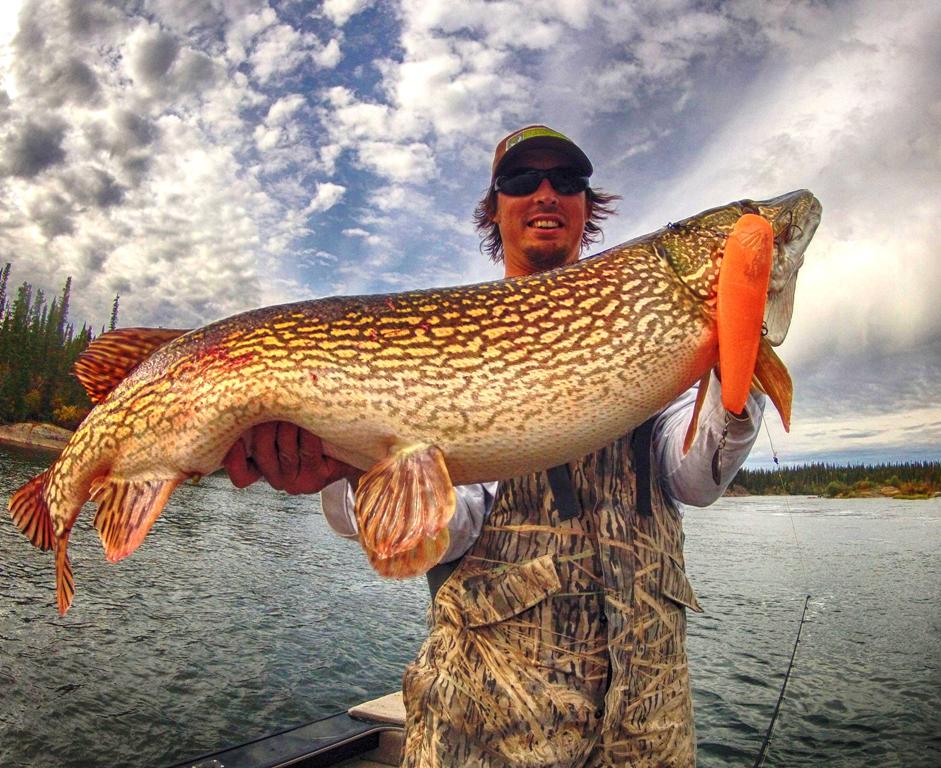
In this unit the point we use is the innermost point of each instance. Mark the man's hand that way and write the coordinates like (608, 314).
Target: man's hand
(288, 457)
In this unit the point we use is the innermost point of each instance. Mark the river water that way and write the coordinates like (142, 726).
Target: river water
(242, 614)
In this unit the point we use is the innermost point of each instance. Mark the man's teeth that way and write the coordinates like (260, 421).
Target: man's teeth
(543, 224)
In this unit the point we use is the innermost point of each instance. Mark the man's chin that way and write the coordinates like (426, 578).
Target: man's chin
(547, 258)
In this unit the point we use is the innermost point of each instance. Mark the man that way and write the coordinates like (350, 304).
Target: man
(559, 637)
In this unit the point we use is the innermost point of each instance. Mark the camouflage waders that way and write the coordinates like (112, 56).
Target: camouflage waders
(560, 643)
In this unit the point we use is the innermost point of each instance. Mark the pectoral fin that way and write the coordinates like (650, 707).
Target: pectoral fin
(697, 408)
(742, 293)
(774, 379)
(413, 562)
(403, 505)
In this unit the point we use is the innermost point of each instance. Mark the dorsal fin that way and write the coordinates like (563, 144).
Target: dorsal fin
(108, 360)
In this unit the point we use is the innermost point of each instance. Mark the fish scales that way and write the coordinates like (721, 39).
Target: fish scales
(480, 382)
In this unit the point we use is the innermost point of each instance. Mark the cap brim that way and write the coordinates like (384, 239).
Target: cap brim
(580, 161)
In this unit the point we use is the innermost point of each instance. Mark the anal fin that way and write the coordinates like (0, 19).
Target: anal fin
(403, 505)
(126, 511)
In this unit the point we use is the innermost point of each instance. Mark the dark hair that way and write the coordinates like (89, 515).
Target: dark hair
(600, 206)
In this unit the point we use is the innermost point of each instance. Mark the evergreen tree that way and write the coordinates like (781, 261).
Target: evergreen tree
(37, 351)
(4, 276)
(114, 313)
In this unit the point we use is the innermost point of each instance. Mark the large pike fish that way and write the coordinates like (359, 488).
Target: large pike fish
(423, 389)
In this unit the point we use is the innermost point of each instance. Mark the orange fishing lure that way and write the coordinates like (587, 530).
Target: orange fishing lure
(742, 292)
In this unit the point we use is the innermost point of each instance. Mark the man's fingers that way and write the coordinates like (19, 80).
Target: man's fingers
(241, 470)
(286, 443)
(265, 453)
(310, 471)
(290, 458)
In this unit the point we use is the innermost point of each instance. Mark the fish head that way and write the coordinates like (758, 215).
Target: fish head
(794, 218)
(694, 248)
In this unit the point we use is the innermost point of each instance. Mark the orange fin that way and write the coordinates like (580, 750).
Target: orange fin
(126, 511)
(403, 505)
(742, 294)
(30, 512)
(65, 582)
(697, 408)
(774, 379)
(108, 360)
(412, 562)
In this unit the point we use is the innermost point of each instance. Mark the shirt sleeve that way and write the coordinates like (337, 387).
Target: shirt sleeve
(688, 479)
(473, 505)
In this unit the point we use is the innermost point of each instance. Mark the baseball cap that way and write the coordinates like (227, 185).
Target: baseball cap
(538, 137)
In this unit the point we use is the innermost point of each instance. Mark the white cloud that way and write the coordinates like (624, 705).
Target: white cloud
(399, 162)
(326, 196)
(279, 126)
(340, 11)
(371, 238)
(243, 30)
(329, 55)
(179, 155)
(146, 185)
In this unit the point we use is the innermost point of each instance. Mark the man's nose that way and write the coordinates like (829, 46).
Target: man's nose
(545, 193)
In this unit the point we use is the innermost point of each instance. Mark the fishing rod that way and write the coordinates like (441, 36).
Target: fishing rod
(759, 761)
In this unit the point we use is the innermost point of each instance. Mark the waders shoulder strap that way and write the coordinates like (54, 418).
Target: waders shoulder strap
(560, 480)
(439, 574)
(641, 441)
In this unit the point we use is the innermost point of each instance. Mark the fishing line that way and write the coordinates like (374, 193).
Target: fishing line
(760, 759)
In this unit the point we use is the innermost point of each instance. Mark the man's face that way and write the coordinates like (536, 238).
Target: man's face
(544, 229)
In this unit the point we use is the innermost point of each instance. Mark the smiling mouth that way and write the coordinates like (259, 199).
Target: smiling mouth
(544, 224)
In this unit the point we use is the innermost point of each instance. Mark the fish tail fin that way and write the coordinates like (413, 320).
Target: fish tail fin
(403, 505)
(30, 512)
(740, 304)
(126, 511)
(773, 378)
(65, 582)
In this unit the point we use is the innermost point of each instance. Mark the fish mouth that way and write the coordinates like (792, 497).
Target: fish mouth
(794, 218)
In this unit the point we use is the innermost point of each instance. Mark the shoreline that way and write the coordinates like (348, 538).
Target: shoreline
(35, 435)
(49, 438)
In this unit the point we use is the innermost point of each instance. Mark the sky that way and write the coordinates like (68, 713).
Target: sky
(201, 158)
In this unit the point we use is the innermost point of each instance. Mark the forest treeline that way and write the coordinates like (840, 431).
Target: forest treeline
(909, 479)
(38, 346)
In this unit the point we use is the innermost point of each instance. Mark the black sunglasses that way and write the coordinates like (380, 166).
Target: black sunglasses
(525, 181)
